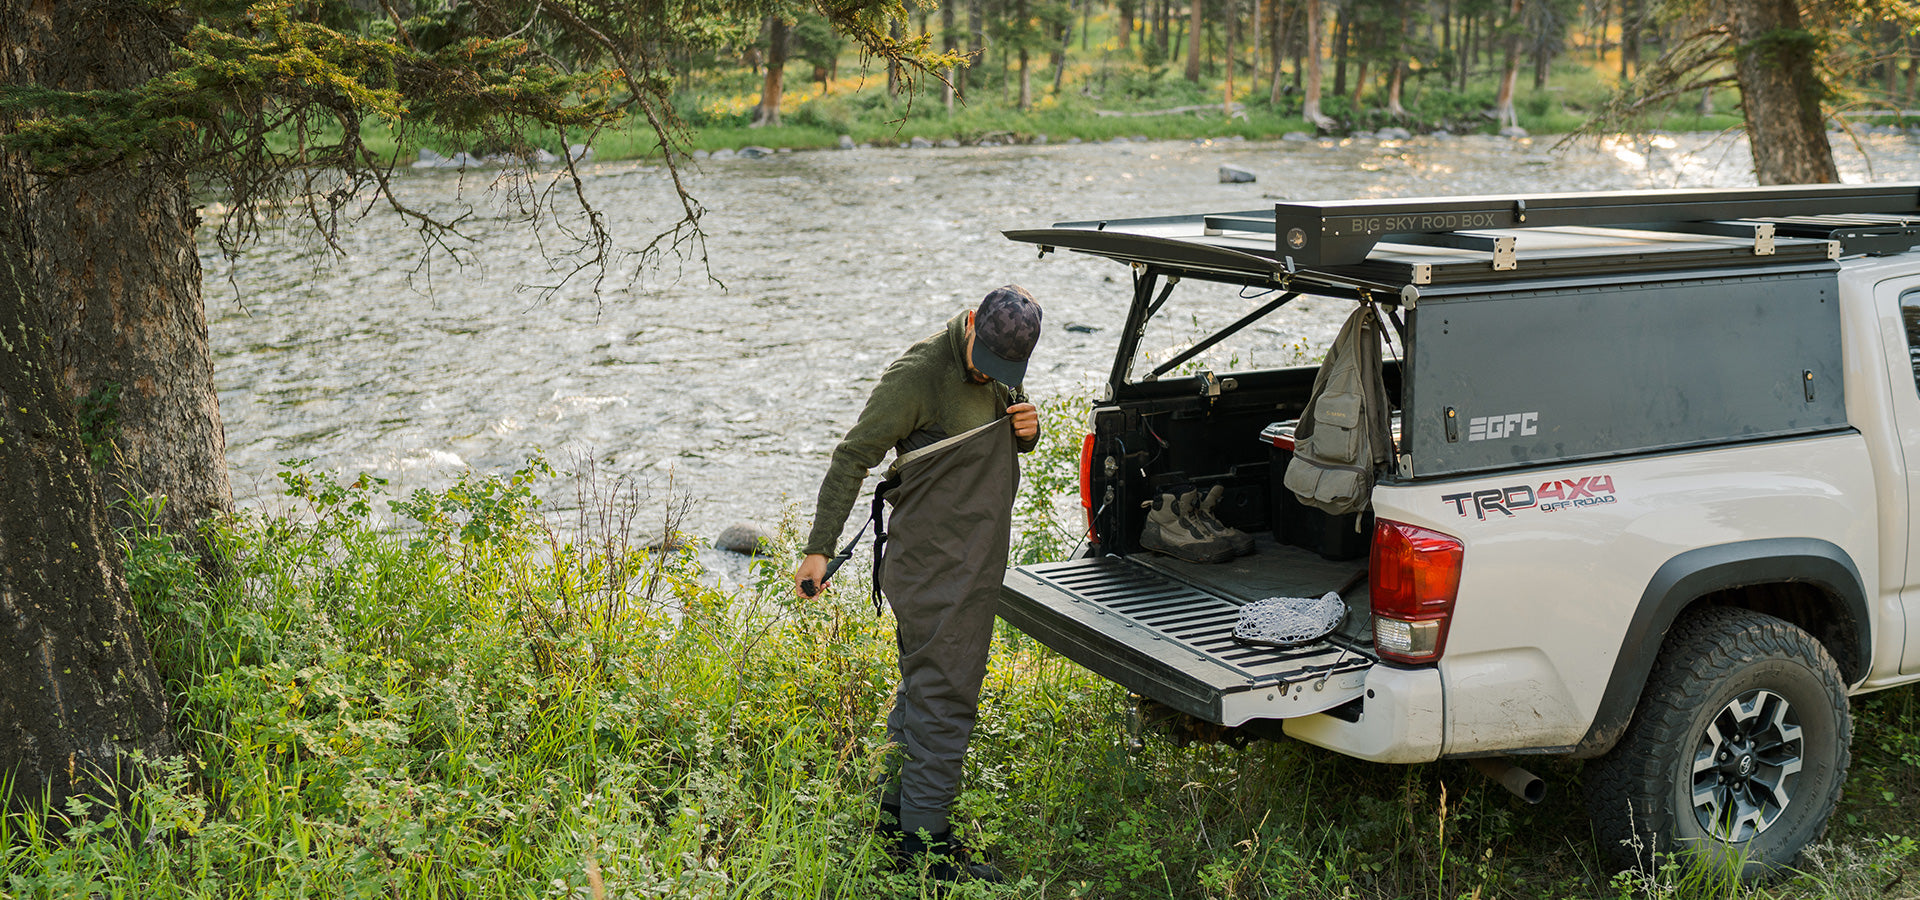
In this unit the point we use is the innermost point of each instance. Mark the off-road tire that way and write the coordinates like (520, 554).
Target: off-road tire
(1641, 794)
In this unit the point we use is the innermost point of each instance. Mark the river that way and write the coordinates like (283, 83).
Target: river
(396, 360)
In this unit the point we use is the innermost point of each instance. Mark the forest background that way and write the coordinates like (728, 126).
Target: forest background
(1086, 70)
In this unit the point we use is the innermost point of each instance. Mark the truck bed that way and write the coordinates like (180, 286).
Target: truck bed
(1164, 629)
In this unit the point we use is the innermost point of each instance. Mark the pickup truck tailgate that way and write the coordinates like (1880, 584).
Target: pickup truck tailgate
(1170, 639)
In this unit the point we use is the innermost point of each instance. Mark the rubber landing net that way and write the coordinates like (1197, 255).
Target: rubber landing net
(1286, 621)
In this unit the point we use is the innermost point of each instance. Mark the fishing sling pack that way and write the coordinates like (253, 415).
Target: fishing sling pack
(1343, 435)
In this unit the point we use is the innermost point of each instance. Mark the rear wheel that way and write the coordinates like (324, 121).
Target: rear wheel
(1736, 753)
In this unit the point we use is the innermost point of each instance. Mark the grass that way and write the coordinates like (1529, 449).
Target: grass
(493, 702)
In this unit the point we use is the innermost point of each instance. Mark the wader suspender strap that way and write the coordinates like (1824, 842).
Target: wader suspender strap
(878, 519)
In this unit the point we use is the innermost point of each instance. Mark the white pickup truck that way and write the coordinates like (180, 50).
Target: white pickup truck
(1650, 500)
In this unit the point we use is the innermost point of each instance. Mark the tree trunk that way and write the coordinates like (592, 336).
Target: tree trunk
(949, 42)
(1255, 25)
(1600, 33)
(1060, 59)
(1395, 83)
(1193, 40)
(1125, 35)
(1282, 17)
(1342, 25)
(1310, 106)
(976, 41)
(1466, 50)
(768, 113)
(1165, 25)
(82, 693)
(1503, 112)
(1780, 93)
(115, 266)
(1630, 26)
(1233, 20)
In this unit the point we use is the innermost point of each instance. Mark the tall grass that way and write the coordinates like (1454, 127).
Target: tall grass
(490, 703)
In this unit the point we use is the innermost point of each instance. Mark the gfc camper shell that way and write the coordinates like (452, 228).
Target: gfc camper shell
(1551, 360)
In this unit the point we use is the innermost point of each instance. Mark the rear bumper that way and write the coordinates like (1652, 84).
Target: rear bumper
(1400, 721)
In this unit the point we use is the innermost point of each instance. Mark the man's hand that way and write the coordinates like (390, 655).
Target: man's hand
(812, 573)
(1026, 420)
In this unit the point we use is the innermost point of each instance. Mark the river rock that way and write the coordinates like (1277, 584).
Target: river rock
(428, 159)
(1038, 139)
(1442, 135)
(701, 154)
(1140, 139)
(1394, 134)
(949, 143)
(919, 143)
(1513, 131)
(1295, 136)
(1362, 135)
(846, 142)
(755, 152)
(744, 538)
(722, 153)
(1073, 140)
(579, 153)
(1235, 175)
(544, 158)
(1079, 328)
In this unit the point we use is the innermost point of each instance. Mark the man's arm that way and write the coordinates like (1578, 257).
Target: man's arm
(892, 412)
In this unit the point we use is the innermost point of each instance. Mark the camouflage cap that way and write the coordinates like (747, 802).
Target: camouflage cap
(1005, 328)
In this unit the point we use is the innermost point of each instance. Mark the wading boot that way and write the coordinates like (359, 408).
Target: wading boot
(1240, 541)
(945, 859)
(888, 826)
(1170, 531)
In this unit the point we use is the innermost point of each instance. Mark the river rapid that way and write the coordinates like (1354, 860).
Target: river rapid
(731, 390)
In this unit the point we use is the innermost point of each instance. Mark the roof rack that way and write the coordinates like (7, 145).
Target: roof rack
(1439, 240)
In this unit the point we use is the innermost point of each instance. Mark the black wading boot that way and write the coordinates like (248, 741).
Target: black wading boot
(889, 826)
(946, 859)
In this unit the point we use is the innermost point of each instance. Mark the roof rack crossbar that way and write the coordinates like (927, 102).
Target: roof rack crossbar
(1761, 233)
(1259, 223)
(1500, 245)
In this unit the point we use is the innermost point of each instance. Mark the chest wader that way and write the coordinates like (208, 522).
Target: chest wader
(945, 557)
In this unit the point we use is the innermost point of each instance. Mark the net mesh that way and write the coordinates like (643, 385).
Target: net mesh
(1284, 621)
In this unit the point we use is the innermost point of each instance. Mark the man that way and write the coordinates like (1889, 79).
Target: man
(947, 409)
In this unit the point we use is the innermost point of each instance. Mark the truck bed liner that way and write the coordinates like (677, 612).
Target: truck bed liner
(1164, 629)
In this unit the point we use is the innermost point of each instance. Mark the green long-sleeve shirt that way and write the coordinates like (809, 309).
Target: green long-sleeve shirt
(925, 390)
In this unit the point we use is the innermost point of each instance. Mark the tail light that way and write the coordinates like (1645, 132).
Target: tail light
(1414, 577)
(1086, 483)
